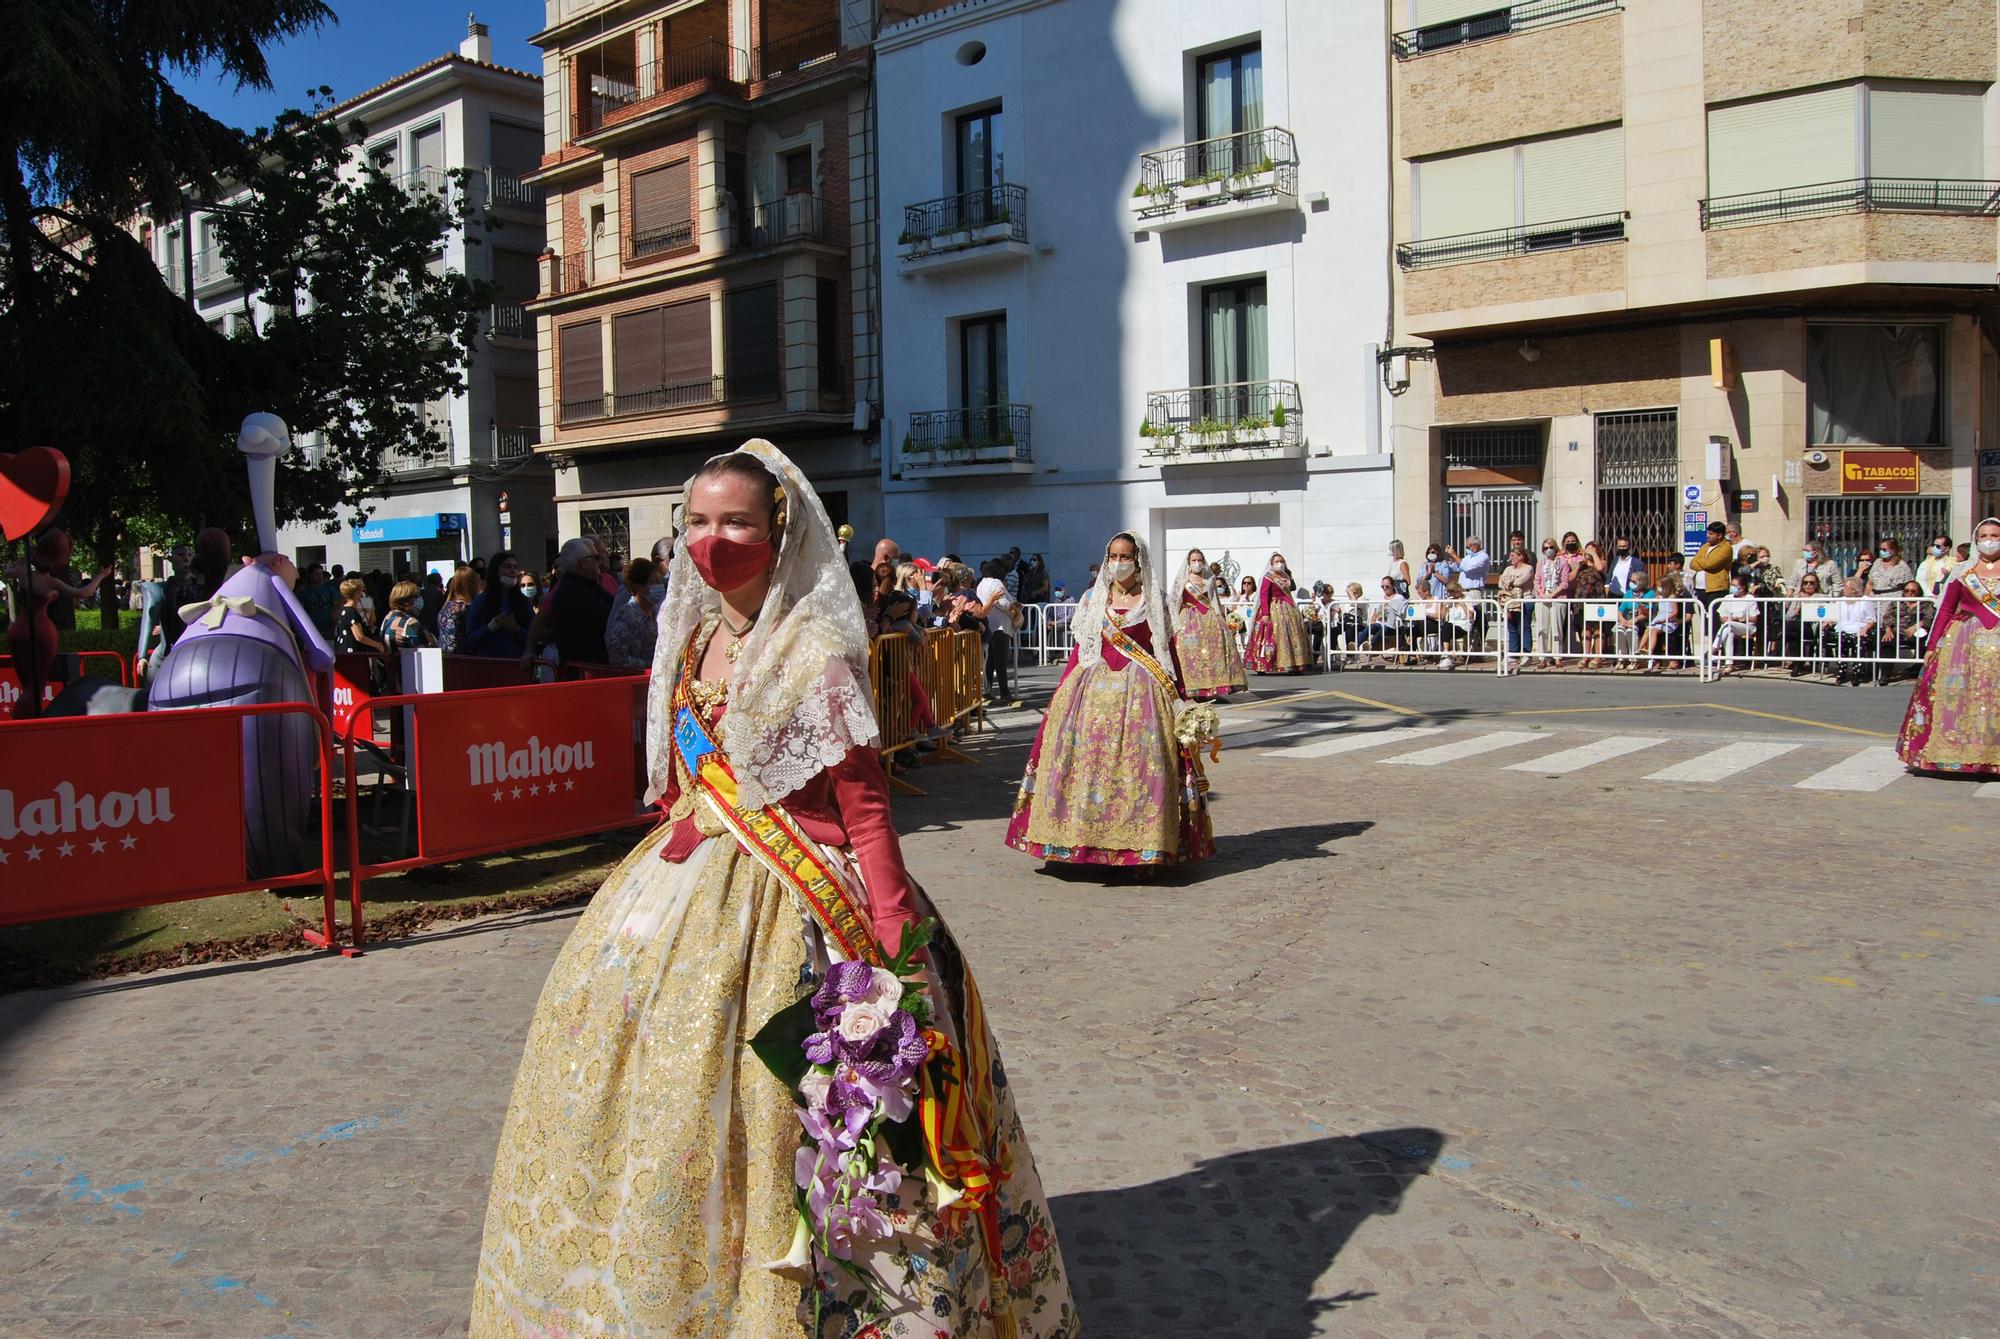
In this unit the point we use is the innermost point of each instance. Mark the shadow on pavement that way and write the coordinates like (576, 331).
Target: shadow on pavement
(1235, 1246)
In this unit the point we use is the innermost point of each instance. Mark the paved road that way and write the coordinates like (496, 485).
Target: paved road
(1521, 1040)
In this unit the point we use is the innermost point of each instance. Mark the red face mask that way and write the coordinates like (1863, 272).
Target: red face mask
(726, 564)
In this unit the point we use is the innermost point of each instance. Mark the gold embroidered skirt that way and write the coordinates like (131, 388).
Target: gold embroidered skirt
(645, 1172)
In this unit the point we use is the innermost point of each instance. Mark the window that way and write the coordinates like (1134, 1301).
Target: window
(1234, 340)
(750, 342)
(662, 209)
(827, 294)
(1928, 134)
(1851, 526)
(309, 555)
(982, 362)
(981, 151)
(797, 167)
(1521, 185)
(1817, 138)
(660, 358)
(1875, 385)
(515, 150)
(611, 527)
(1638, 470)
(387, 155)
(580, 367)
(1229, 101)
(427, 151)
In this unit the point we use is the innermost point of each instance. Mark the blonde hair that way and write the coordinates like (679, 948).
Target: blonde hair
(402, 595)
(353, 589)
(464, 586)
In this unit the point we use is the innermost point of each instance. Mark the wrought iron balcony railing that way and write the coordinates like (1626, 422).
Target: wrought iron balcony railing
(706, 66)
(671, 398)
(567, 275)
(513, 443)
(1253, 162)
(1500, 242)
(670, 237)
(426, 181)
(506, 190)
(795, 218)
(977, 214)
(1498, 21)
(800, 52)
(1889, 195)
(409, 462)
(983, 433)
(1213, 418)
(510, 320)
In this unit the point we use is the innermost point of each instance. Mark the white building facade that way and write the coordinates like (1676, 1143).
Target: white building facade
(1135, 277)
(455, 112)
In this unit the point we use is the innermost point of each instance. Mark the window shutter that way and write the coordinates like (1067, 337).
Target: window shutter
(661, 204)
(516, 149)
(1428, 12)
(750, 341)
(1467, 192)
(1928, 134)
(1573, 176)
(687, 358)
(1804, 139)
(580, 351)
(637, 352)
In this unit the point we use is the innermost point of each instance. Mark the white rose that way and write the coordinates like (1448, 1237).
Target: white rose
(813, 1087)
(884, 988)
(861, 1022)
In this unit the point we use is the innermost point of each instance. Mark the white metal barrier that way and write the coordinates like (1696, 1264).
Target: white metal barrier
(1044, 635)
(1651, 635)
(1444, 634)
(1866, 637)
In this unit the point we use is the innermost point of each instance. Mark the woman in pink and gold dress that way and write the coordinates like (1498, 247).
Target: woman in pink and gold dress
(1109, 781)
(1953, 721)
(1278, 638)
(1211, 666)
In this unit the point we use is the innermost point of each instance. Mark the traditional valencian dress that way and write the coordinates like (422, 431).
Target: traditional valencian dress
(1108, 781)
(1953, 721)
(1278, 642)
(646, 1172)
(1210, 664)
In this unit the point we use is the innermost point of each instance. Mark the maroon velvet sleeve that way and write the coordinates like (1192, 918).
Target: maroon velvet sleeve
(861, 794)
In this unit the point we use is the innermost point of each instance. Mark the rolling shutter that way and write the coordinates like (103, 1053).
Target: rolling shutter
(636, 351)
(661, 204)
(1803, 139)
(1925, 134)
(1467, 192)
(580, 356)
(687, 359)
(1427, 12)
(750, 341)
(1573, 176)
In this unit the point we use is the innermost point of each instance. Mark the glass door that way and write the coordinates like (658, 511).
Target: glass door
(1229, 108)
(981, 165)
(982, 377)
(1234, 366)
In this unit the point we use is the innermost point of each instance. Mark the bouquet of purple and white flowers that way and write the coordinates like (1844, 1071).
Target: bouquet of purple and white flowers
(852, 1051)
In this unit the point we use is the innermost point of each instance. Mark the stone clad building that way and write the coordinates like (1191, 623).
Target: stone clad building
(1662, 262)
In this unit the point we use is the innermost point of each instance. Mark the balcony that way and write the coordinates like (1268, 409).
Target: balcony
(416, 462)
(676, 236)
(514, 443)
(1228, 177)
(210, 270)
(1229, 423)
(707, 66)
(508, 319)
(1500, 21)
(708, 392)
(989, 439)
(795, 218)
(1885, 195)
(506, 190)
(983, 227)
(1501, 242)
(798, 54)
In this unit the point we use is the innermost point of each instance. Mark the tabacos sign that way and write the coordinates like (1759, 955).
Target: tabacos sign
(1879, 472)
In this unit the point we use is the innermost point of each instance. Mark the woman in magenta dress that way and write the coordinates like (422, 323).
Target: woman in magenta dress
(1278, 638)
(1953, 721)
(1109, 781)
(31, 637)
(1210, 664)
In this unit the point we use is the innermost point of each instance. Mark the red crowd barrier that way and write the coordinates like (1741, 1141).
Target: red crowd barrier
(108, 813)
(499, 768)
(10, 678)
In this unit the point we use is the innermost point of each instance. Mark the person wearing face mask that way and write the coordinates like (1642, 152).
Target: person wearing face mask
(1813, 559)
(641, 1118)
(1936, 567)
(1555, 581)
(1889, 573)
(1625, 565)
(497, 623)
(1109, 781)
(634, 627)
(1278, 633)
(1735, 622)
(1211, 664)
(1710, 566)
(1952, 725)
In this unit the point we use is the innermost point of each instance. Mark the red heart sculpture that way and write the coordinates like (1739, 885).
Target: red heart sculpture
(33, 485)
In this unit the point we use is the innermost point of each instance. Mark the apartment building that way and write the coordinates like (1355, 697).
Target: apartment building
(487, 490)
(1666, 262)
(1135, 276)
(710, 268)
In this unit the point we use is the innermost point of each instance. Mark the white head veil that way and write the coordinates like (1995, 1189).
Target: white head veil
(1962, 568)
(1089, 623)
(798, 695)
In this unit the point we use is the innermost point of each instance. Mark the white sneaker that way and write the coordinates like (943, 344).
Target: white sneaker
(1446, 663)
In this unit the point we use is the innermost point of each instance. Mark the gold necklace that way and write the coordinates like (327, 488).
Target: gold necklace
(734, 649)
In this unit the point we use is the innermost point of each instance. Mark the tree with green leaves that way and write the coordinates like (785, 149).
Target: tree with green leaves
(354, 325)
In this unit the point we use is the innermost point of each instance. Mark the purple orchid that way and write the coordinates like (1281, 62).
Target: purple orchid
(853, 1224)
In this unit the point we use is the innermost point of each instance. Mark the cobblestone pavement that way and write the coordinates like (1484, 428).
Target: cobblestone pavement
(1448, 1050)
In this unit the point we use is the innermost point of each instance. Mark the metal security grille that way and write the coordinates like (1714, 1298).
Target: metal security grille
(1511, 446)
(611, 527)
(1492, 514)
(1851, 526)
(1638, 463)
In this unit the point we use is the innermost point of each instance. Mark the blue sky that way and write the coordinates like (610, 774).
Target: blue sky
(374, 41)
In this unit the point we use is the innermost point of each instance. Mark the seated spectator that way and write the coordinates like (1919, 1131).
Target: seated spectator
(457, 605)
(1458, 623)
(1801, 637)
(1905, 624)
(1736, 618)
(353, 631)
(634, 627)
(1635, 613)
(403, 626)
(1663, 636)
(1388, 623)
(1855, 619)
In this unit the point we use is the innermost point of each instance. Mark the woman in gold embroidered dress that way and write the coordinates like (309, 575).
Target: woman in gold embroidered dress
(1210, 664)
(645, 1178)
(1278, 642)
(1952, 724)
(1109, 782)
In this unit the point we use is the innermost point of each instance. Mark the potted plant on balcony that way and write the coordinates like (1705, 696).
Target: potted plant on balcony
(998, 227)
(1258, 180)
(1152, 199)
(1203, 190)
(913, 243)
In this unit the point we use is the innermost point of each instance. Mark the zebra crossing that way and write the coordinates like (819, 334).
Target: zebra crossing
(1852, 767)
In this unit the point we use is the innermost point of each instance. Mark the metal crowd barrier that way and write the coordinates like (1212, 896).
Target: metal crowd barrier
(1440, 633)
(1870, 636)
(943, 672)
(1606, 633)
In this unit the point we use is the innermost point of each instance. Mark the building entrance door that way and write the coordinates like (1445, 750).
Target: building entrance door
(1638, 465)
